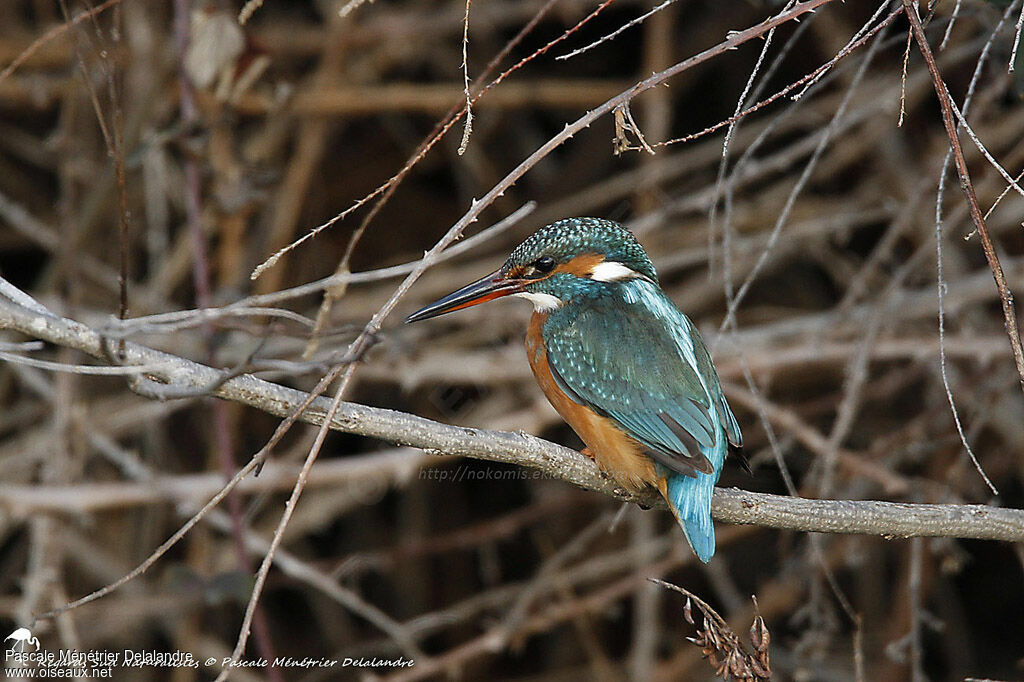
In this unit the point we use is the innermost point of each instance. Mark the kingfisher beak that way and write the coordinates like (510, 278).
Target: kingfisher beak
(488, 288)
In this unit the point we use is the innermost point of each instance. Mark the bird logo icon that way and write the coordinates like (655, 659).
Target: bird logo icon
(21, 637)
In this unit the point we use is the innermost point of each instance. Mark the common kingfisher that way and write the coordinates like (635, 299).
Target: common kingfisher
(619, 362)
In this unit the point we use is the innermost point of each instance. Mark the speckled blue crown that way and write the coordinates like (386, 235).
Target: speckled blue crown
(575, 236)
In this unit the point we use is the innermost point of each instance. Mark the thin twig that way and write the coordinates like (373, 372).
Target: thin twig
(847, 50)
(1018, 27)
(468, 125)
(1005, 295)
(53, 33)
(940, 281)
(611, 36)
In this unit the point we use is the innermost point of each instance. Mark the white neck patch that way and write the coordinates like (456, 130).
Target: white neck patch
(542, 303)
(610, 271)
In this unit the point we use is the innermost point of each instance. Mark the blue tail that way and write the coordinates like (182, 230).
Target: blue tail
(690, 501)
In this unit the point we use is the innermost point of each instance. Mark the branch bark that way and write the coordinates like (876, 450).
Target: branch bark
(887, 519)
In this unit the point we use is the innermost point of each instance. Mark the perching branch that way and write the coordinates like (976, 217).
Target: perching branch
(731, 506)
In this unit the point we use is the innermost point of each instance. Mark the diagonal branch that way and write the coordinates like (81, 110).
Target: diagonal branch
(1005, 295)
(887, 519)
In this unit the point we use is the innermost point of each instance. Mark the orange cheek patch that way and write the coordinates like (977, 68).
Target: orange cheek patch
(582, 265)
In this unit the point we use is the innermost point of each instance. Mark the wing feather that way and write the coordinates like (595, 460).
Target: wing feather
(646, 372)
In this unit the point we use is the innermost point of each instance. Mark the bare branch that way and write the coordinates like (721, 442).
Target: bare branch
(888, 519)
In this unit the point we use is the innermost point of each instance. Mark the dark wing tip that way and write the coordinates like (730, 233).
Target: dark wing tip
(687, 466)
(737, 452)
(693, 457)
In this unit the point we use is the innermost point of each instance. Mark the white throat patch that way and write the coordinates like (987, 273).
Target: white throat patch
(610, 271)
(542, 303)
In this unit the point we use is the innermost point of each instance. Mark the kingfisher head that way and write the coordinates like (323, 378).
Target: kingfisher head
(558, 264)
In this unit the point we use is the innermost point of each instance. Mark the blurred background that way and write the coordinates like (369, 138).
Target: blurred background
(172, 141)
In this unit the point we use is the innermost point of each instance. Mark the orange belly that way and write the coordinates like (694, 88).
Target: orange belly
(615, 452)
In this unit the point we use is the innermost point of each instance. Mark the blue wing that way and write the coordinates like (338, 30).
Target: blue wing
(633, 357)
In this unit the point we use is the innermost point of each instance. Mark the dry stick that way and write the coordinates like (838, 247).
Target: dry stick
(903, 78)
(517, 613)
(114, 141)
(350, 7)
(1006, 190)
(184, 319)
(250, 8)
(726, 200)
(1005, 295)
(115, 87)
(221, 441)
(949, 29)
(468, 129)
(817, 73)
(1016, 40)
(596, 602)
(734, 302)
(611, 36)
(856, 369)
(861, 33)
(289, 509)
(738, 170)
(89, 370)
(53, 33)
(916, 608)
(165, 323)
(294, 567)
(1012, 183)
(149, 487)
(724, 164)
(888, 519)
(587, 571)
(940, 280)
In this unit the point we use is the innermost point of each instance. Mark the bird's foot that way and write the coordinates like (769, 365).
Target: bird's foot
(587, 452)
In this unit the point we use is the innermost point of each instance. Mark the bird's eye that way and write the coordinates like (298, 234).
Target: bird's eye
(544, 265)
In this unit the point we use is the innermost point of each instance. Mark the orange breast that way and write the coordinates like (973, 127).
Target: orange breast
(615, 452)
